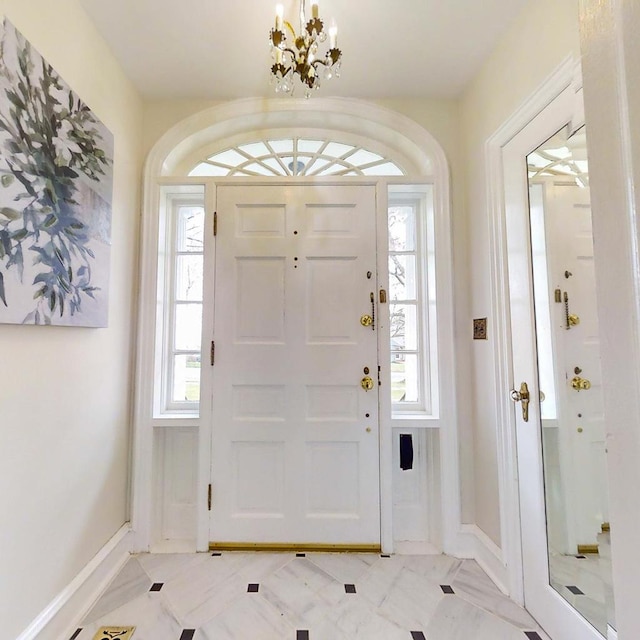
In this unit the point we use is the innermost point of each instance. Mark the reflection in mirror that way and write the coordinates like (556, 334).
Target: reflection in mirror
(570, 381)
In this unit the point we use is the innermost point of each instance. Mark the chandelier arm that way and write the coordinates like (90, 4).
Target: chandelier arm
(288, 25)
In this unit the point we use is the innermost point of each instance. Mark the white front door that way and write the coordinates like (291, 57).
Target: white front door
(535, 307)
(295, 447)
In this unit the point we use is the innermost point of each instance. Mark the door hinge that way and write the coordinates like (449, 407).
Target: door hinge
(213, 352)
(215, 223)
(209, 494)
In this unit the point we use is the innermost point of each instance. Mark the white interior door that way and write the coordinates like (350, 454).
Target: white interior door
(295, 447)
(555, 614)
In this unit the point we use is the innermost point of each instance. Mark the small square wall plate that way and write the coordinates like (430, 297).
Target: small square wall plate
(480, 329)
(114, 633)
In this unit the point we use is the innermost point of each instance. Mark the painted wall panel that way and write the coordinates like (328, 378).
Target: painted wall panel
(539, 40)
(65, 396)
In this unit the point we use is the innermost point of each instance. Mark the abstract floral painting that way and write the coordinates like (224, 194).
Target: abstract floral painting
(56, 174)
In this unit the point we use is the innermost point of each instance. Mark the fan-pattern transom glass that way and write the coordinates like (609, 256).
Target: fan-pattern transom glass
(296, 157)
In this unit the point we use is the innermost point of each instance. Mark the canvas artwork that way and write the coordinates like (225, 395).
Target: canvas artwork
(56, 175)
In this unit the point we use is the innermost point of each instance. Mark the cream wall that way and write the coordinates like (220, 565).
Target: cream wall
(540, 39)
(65, 392)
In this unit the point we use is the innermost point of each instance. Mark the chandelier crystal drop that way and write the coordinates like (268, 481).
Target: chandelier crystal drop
(298, 54)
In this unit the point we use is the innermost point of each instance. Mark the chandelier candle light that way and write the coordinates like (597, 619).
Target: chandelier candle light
(300, 56)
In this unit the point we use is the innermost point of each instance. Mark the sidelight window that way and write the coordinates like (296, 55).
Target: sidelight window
(412, 312)
(182, 271)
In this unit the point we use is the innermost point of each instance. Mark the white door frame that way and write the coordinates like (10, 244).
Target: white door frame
(552, 611)
(566, 77)
(424, 160)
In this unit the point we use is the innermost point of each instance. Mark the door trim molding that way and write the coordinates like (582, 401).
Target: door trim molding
(567, 75)
(423, 157)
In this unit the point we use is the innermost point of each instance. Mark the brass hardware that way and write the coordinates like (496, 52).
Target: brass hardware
(580, 429)
(366, 383)
(292, 546)
(213, 352)
(366, 321)
(480, 328)
(571, 318)
(366, 371)
(523, 397)
(587, 548)
(577, 371)
(558, 296)
(383, 296)
(215, 223)
(209, 497)
(368, 429)
(567, 274)
(373, 310)
(369, 274)
(605, 527)
(580, 384)
(114, 633)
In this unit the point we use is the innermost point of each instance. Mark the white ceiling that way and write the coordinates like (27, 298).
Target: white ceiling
(219, 48)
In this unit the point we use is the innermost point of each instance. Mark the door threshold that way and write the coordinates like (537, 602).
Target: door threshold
(283, 547)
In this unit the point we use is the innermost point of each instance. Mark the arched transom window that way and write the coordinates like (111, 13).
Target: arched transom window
(297, 157)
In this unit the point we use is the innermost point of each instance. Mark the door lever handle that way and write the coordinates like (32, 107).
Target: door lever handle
(523, 398)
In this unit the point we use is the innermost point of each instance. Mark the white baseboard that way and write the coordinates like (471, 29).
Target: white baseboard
(416, 549)
(474, 543)
(61, 617)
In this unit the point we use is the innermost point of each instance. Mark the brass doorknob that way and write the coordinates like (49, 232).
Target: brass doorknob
(581, 384)
(366, 383)
(366, 321)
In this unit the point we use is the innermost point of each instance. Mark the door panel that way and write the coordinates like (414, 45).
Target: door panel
(544, 241)
(295, 453)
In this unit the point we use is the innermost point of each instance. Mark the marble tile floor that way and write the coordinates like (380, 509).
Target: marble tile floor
(312, 596)
(579, 580)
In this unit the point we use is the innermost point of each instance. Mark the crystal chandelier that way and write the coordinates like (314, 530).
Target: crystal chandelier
(299, 55)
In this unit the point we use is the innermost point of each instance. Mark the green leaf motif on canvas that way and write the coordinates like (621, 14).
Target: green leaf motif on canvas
(52, 154)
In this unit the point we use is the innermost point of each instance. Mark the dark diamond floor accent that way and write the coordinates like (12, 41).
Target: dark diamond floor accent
(385, 555)
(533, 635)
(417, 635)
(301, 555)
(76, 634)
(253, 588)
(156, 586)
(187, 634)
(302, 634)
(447, 588)
(216, 554)
(349, 588)
(575, 590)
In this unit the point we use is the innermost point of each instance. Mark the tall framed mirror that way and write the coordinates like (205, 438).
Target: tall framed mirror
(572, 420)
